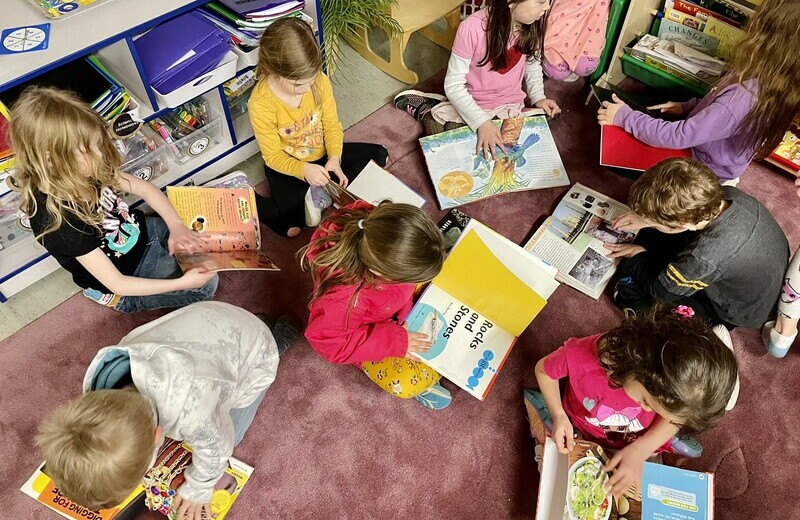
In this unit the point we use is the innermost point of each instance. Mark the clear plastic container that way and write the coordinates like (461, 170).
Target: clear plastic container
(190, 129)
(144, 154)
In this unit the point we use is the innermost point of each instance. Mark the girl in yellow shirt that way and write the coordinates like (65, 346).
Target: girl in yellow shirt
(293, 113)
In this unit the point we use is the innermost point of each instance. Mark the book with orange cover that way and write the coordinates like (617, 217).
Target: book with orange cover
(619, 149)
(228, 219)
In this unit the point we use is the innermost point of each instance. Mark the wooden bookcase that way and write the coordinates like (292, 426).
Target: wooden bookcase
(108, 31)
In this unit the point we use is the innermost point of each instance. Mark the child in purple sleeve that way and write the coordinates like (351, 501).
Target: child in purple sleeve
(744, 117)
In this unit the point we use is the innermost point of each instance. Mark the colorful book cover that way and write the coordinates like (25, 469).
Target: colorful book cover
(685, 6)
(61, 8)
(726, 9)
(787, 154)
(488, 292)
(684, 19)
(674, 31)
(5, 140)
(461, 176)
(620, 149)
(728, 36)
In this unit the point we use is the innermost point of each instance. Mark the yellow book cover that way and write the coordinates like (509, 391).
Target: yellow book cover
(728, 36)
(684, 19)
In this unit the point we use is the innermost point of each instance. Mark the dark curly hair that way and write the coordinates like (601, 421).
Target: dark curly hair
(679, 361)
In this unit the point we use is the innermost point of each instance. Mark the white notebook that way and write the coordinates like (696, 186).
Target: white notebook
(374, 185)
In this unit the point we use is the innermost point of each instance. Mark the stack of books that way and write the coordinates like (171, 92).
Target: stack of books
(679, 60)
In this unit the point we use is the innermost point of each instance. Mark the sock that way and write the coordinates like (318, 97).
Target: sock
(779, 340)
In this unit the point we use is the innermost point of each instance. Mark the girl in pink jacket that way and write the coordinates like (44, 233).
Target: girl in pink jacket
(366, 262)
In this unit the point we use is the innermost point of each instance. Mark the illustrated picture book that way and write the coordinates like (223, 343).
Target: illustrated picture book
(787, 154)
(619, 149)
(174, 457)
(486, 295)
(572, 238)
(452, 225)
(228, 219)
(461, 176)
(571, 488)
(373, 185)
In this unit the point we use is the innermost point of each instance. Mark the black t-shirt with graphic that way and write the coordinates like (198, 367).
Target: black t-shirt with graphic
(123, 238)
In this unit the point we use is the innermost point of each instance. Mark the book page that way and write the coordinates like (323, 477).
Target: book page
(226, 261)
(375, 185)
(468, 348)
(460, 176)
(227, 217)
(572, 239)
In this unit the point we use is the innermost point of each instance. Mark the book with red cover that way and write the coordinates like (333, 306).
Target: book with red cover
(619, 149)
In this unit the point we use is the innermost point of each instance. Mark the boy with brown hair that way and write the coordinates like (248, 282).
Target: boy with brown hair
(197, 375)
(712, 248)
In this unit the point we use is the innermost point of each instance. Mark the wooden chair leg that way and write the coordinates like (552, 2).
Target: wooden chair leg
(396, 66)
(444, 38)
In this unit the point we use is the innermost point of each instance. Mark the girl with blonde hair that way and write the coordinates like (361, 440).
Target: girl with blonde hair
(71, 188)
(366, 263)
(294, 116)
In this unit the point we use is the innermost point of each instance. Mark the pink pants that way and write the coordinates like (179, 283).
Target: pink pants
(561, 70)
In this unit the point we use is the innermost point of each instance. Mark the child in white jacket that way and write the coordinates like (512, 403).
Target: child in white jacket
(197, 375)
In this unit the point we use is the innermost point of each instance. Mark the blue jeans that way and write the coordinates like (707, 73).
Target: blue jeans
(243, 417)
(157, 264)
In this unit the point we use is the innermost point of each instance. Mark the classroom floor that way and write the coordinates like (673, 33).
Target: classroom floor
(359, 89)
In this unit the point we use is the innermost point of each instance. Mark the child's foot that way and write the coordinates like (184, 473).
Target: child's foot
(435, 397)
(721, 331)
(285, 330)
(417, 103)
(777, 344)
(317, 199)
(687, 446)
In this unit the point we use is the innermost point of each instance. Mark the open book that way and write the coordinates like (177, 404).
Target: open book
(373, 185)
(461, 176)
(572, 239)
(44, 490)
(228, 218)
(571, 488)
(486, 295)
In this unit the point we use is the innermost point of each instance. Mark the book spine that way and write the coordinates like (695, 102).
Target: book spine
(688, 78)
(695, 10)
(728, 11)
(685, 19)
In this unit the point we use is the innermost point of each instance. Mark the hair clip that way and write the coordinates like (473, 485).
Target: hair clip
(361, 224)
(684, 311)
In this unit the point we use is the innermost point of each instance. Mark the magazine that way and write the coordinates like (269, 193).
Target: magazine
(228, 218)
(486, 295)
(571, 488)
(461, 176)
(44, 490)
(572, 239)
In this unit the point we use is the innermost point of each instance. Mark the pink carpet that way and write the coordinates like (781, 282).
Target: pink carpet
(327, 444)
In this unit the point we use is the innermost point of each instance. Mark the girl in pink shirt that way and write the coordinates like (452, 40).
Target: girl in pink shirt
(636, 387)
(366, 263)
(494, 52)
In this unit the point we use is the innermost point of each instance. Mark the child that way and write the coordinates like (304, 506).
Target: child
(197, 374)
(746, 114)
(494, 50)
(70, 183)
(366, 263)
(575, 37)
(712, 248)
(294, 116)
(781, 333)
(635, 387)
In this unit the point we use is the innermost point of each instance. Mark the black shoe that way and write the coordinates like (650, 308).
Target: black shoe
(417, 103)
(286, 332)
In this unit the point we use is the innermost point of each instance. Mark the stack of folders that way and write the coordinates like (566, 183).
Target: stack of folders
(181, 50)
(87, 78)
(246, 27)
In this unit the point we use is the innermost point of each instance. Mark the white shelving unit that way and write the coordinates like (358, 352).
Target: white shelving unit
(108, 31)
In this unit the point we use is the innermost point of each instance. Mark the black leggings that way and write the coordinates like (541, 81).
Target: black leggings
(285, 209)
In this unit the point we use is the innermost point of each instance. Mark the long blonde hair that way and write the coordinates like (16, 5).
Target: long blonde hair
(399, 241)
(52, 134)
(289, 49)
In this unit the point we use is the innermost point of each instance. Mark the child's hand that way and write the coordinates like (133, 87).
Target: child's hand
(184, 239)
(606, 114)
(627, 464)
(196, 278)
(670, 107)
(334, 165)
(316, 175)
(549, 106)
(418, 342)
(190, 510)
(623, 250)
(563, 433)
(629, 222)
(488, 138)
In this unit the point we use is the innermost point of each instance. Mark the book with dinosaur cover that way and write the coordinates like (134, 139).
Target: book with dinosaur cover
(572, 239)
(229, 221)
(488, 292)
(461, 176)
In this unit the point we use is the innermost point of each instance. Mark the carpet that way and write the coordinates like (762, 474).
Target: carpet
(327, 444)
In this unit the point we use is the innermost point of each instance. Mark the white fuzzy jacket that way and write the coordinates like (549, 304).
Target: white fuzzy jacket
(195, 365)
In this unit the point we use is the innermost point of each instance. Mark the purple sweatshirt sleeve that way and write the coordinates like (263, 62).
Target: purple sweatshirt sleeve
(688, 106)
(714, 122)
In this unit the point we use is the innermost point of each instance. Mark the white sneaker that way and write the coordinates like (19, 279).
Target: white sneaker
(725, 336)
(732, 182)
(316, 200)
